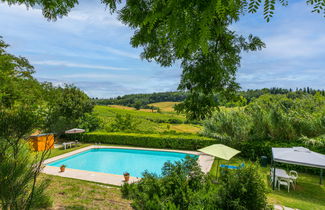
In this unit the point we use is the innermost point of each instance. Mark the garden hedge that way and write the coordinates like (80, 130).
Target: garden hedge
(167, 141)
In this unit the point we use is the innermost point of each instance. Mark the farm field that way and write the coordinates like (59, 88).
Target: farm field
(167, 106)
(147, 121)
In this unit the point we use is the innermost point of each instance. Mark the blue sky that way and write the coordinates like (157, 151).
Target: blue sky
(91, 49)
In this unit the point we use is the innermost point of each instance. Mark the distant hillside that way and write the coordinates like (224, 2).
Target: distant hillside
(147, 101)
(144, 121)
(142, 100)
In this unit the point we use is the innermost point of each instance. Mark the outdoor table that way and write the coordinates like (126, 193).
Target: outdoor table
(68, 143)
(281, 173)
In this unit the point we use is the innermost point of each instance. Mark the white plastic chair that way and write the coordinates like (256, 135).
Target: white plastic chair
(284, 182)
(294, 176)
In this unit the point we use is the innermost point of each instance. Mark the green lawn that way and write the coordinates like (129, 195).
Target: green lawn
(60, 151)
(308, 194)
(69, 193)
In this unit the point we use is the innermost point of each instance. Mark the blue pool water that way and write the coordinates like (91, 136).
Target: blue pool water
(118, 161)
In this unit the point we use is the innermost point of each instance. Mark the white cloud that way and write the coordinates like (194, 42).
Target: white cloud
(78, 65)
(104, 76)
(295, 45)
(122, 53)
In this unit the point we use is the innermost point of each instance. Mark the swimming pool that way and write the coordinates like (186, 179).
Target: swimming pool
(118, 161)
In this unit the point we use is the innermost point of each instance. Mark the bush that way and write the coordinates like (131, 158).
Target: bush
(182, 186)
(89, 122)
(231, 126)
(123, 123)
(185, 142)
(270, 117)
(243, 189)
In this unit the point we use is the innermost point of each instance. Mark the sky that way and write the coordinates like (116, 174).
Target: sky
(91, 49)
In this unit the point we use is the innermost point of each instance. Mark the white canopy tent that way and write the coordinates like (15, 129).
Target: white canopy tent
(298, 156)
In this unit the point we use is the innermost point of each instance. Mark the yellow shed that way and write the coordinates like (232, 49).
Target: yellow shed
(42, 142)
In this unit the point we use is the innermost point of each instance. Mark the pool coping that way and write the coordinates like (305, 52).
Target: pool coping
(205, 162)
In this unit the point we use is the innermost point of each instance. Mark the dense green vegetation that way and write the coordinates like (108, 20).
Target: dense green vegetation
(67, 107)
(26, 106)
(184, 186)
(271, 117)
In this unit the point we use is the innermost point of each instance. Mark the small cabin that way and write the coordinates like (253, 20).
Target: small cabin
(41, 142)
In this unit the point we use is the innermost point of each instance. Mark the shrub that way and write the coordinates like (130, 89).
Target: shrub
(231, 126)
(89, 122)
(123, 123)
(243, 189)
(185, 142)
(270, 117)
(182, 186)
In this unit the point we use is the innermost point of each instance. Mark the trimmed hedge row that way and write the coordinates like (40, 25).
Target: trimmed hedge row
(182, 142)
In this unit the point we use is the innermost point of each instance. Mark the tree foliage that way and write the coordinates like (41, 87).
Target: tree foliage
(67, 108)
(19, 115)
(243, 189)
(123, 123)
(25, 106)
(285, 117)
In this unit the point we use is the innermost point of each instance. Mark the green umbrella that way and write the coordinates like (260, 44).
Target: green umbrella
(220, 151)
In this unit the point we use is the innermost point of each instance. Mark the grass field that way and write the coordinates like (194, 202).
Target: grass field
(108, 111)
(147, 121)
(308, 194)
(167, 106)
